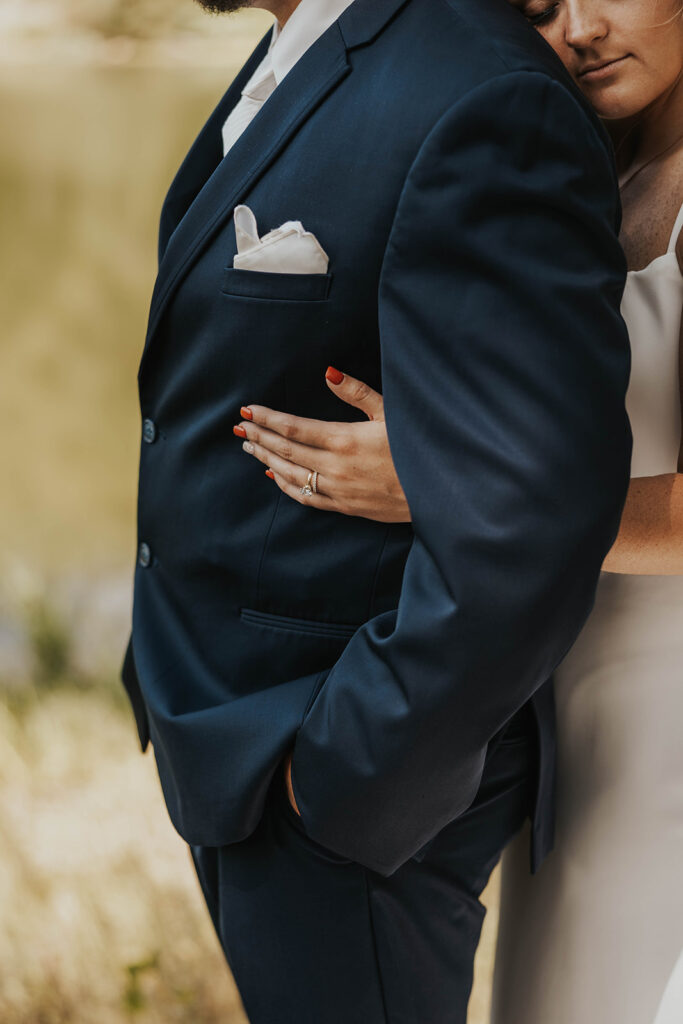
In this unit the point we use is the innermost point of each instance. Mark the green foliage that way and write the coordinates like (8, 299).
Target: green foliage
(53, 666)
(134, 998)
(50, 643)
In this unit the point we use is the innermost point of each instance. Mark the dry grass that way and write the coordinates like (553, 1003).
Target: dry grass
(102, 918)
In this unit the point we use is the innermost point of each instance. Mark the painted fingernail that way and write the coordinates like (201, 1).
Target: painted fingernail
(270, 474)
(334, 376)
(246, 413)
(239, 431)
(248, 447)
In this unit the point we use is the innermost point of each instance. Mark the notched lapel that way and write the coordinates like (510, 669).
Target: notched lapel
(320, 69)
(206, 152)
(364, 19)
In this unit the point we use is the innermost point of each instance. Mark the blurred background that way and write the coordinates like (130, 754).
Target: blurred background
(101, 918)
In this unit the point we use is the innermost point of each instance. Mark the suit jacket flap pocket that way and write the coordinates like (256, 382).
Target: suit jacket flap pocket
(258, 284)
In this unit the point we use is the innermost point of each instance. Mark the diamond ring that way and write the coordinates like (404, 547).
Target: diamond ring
(311, 485)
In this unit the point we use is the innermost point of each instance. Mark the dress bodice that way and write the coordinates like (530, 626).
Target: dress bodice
(652, 307)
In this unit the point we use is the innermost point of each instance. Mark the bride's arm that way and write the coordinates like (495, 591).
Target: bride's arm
(650, 538)
(357, 477)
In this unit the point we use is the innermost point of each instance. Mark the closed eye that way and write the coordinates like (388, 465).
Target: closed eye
(541, 17)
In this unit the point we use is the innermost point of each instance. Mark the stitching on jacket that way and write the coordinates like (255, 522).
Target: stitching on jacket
(375, 576)
(373, 939)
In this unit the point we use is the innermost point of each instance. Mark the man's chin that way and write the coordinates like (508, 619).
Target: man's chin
(223, 6)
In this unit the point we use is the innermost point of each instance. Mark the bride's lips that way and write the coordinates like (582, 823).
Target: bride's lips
(601, 69)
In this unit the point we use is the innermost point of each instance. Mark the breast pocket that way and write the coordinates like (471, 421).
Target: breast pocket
(256, 284)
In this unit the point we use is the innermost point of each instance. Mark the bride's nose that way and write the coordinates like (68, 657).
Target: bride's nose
(585, 23)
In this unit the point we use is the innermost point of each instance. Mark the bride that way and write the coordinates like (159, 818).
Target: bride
(599, 929)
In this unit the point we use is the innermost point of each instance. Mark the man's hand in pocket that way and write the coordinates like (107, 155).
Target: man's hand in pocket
(288, 779)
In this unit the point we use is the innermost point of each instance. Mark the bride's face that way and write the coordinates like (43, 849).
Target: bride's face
(623, 54)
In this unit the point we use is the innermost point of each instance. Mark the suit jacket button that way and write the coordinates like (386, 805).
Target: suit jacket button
(149, 431)
(144, 555)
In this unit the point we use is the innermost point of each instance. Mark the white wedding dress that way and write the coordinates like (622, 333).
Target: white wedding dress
(596, 936)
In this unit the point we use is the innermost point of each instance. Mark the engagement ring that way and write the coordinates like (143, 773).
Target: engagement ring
(309, 487)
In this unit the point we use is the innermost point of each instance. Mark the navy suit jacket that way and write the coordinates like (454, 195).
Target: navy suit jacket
(466, 196)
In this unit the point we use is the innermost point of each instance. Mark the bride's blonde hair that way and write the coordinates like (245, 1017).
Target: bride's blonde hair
(676, 14)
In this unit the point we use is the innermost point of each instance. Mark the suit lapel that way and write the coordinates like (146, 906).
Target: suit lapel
(206, 152)
(312, 78)
(365, 19)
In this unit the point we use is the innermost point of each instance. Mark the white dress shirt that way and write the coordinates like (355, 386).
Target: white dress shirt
(306, 24)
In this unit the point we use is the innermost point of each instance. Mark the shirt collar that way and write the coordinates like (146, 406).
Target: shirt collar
(307, 22)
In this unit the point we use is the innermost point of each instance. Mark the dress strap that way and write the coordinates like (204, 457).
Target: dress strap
(678, 227)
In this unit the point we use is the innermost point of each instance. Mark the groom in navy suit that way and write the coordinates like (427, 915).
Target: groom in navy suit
(350, 719)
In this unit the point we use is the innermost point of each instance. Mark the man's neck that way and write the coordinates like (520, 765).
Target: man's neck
(282, 9)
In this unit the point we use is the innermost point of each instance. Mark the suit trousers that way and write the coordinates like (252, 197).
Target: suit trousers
(314, 938)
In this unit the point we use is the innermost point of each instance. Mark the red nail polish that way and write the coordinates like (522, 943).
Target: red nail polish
(239, 431)
(270, 474)
(246, 413)
(334, 376)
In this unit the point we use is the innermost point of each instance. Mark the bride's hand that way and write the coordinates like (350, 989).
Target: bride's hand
(356, 474)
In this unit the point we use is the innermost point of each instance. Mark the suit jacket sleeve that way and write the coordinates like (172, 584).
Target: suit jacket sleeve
(505, 363)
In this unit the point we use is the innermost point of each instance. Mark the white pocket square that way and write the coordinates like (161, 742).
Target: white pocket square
(288, 249)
